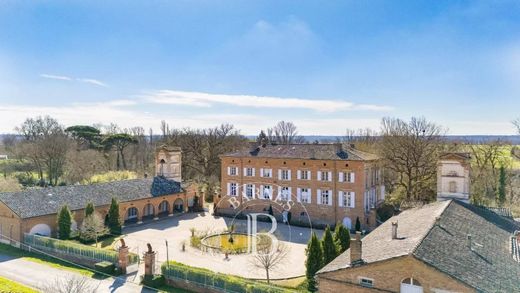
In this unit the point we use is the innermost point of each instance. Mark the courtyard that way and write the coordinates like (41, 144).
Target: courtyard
(177, 231)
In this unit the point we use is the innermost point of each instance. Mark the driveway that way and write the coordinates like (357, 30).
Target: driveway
(176, 230)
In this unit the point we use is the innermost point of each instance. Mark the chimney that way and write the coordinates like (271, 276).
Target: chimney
(394, 230)
(469, 242)
(356, 250)
(352, 145)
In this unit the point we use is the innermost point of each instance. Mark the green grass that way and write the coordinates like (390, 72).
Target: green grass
(293, 283)
(106, 243)
(169, 289)
(9, 286)
(47, 260)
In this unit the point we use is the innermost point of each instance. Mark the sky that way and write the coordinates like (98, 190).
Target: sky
(324, 65)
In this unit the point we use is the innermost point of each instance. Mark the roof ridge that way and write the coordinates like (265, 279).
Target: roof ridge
(430, 228)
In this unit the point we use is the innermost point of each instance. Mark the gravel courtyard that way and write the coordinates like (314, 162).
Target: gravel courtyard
(176, 230)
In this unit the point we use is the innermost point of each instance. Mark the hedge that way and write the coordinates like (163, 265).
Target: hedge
(105, 267)
(225, 283)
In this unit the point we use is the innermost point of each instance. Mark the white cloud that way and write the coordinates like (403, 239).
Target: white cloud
(58, 77)
(200, 99)
(92, 81)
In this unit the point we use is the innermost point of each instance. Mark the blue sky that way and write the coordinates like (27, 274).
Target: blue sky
(325, 65)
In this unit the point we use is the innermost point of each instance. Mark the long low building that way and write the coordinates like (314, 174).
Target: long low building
(34, 211)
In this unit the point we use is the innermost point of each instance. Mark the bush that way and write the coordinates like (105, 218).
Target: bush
(105, 267)
(155, 281)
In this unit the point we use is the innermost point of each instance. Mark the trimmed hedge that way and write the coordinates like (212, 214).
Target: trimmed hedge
(207, 278)
(105, 267)
(156, 281)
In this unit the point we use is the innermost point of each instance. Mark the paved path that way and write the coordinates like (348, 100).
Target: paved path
(39, 276)
(176, 230)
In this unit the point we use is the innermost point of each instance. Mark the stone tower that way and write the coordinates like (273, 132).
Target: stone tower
(168, 162)
(453, 180)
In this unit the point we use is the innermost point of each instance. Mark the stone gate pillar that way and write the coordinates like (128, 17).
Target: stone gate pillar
(123, 256)
(149, 261)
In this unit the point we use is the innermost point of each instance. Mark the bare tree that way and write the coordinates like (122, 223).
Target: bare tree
(411, 151)
(270, 257)
(83, 164)
(72, 284)
(284, 133)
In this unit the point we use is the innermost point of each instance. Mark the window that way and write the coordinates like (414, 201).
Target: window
(268, 173)
(266, 192)
(325, 197)
(232, 171)
(304, 174)
(285, 174)
(250, 172)
(250, 190)
(285, 193)
(411, 285)
(325, 176)
(452, 187)
(346, 176)
(305, 195)
(233, 189)
(366, 282)
(346, 199)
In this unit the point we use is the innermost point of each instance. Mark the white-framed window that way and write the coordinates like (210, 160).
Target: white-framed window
(346, 176)
(267, 173)
(452, 187)
(285, 193)
(249, 172)
(233, 189)
(324, 197)
(250, 190)
(304, 175)
(267, 191)
(324, 176)
(366, 282)
(284, 174)
(232, 171)
(347, 199)
(304, 195)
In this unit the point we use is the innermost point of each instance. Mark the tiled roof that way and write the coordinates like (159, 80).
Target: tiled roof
(44, 201)
(488, 266)
(304, 151)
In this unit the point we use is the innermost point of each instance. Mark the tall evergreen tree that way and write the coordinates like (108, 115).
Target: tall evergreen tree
(342, 238)
(114, 224)
(501, 197)
(89, 210)
(330, 251)
(314, 262)
(358, 224)
(64, 222)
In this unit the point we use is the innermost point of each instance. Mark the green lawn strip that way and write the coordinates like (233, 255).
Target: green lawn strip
(47, 260)
(169, 289)
(9, 286)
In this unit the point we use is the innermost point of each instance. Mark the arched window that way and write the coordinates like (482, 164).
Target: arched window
(411, 285)
(452, 187)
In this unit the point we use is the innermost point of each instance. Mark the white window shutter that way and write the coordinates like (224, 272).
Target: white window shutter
(290, 194)
(279, 192)
(245, 171)
(253, 172)
(340, 198)
(298, 194)
(318, 197)
(229, 170)
(319, 175)
(261, 172)
(229, 188)
(352, 200)
(309, 195)
(261, 192)
(352, 177)
(279, 174)
(289, 174)
(341, 177)
(253, 191)
(331, 196)
(299, 174)
(330, 176)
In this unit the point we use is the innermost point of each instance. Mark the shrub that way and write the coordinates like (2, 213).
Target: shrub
(64, 222)
(114, 223)
(105, 267)
(155, 281)
(330, 250)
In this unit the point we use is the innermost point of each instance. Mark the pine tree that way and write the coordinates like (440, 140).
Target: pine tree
(358, 225)
(89, 210)
(114, 224)
(342, 238)
(501, 197)
(64, 222)
(314, 262)
(330, 251)
(92, 228)
(262, 138)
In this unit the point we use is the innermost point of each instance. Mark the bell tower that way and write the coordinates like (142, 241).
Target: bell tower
(453, 181)
(168, 162)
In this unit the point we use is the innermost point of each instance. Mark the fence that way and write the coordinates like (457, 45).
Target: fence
(206, 279)
(76, 250)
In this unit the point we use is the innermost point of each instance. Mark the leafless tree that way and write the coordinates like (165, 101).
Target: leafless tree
(411, 151)
(71, 284)
(270, 257)
(363, 139)
(284, 133)
(81, 165)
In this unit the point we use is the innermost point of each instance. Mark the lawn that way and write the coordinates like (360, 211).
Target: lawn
(46, 260)
(8, 286)
(105, 243)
